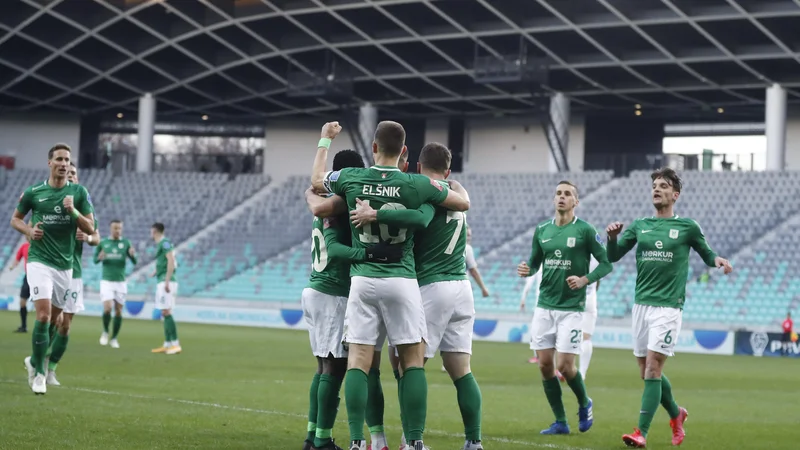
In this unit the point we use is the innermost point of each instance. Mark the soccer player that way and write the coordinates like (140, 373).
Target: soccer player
(563, 247)
(383, 296)
(589, 322)
(440, 250)
(662, 267)
(472, 264)
(166, 289)
(787, 326)
(114, 252)
(324, 302)
(58, 209)
(25, 290)
(74, 296)
(532, 283)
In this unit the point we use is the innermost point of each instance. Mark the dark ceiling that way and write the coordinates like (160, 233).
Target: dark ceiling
(231, 58)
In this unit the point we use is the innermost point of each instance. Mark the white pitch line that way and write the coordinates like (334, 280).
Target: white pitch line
(299, 416)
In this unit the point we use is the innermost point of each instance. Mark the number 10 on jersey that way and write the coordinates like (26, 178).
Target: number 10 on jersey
(367, 235)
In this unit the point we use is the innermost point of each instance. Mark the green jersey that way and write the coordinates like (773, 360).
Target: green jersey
(46, 204)
(116, 255)
(77, 258)
(164, 247)
(384, 188)
(331, 256)
(662, 257)
(565, 251)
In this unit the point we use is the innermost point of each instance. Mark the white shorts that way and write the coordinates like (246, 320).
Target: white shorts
(449, 316)
(114, 290)
(561, 330)
(48, 283)
(74, 303)
(590, 314)
(390, 304)
(324, 315)
(164, 299)
(655, 328)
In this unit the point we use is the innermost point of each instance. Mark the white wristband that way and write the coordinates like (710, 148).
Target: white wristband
(89, 239)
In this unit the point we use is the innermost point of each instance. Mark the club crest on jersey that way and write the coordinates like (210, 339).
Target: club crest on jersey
(383, 175)
(673, 234)
(435, 184)
(571, 242)
(119, 245)
(328, 222)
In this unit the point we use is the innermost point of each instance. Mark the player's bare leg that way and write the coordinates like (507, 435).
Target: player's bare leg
(376, 404)
(327, 401)
(356, 391)
(106, 321)
(468, 394)
(552, 390)
(117, 323)
(59, 347)
(651, 371)
(587, 349)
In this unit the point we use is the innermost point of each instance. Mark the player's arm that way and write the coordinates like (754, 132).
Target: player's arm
(132, 254)
(324, 207)
(709, 256)
(525, 290)
(618, 246)
(80, 208)
(403, 218)
(430, 191)
(604, 266)
(170, 266)
(98, 254)
(537, 254)
(472, 268)
(457, 198)
(329, 132)
(382, 252)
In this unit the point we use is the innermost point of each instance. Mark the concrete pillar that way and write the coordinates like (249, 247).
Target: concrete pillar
(367, 122)
(775, 126)
(560, 115)
(147, 126)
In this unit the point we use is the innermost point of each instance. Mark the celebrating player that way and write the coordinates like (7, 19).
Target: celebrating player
(166, 289)
(440, 250)
(114, 252)
(564, 245)
(383, 296)
(24, 290)
(74, 296)
(324, 302)
(58, 209)
(662, 267)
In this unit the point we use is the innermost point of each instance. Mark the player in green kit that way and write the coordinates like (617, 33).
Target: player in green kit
(383, 296)
(166, 289)
(74, 295)
(662, 266)
(563, 246)
(58, 209)
(114, 252)
(324, 302)
(440, 250)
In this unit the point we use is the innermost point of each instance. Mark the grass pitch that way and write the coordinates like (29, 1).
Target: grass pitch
(247, 388)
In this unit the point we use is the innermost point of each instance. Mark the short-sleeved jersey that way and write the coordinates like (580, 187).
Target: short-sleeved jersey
(384, 188)
(164, 247)
(564, 251)
(329, 275)
(116, 256)
(662, 257)
(46, 205)
(440, 249)
(77, 258)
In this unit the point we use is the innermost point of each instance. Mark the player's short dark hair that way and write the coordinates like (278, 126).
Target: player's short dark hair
(435, 156)
(390, 137)
(119, 221)
(347, 158)
(670, 175)
(158, 226)
(569, 183)
(56, 148)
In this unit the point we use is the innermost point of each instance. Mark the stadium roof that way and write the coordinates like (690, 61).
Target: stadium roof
(231, 58)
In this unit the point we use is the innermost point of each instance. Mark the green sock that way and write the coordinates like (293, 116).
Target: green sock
(173, 328)
(313, 394)
(356, 392)
(469, 402)
(650, 400)
(400, 401)
(167, 330)
(328, 403)
(375, 402)
(579, 388)
(40, 341)
(59, 347)
(552, 390)
(117, 326)
(415, 402)
(667, 401)
(106, 320)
